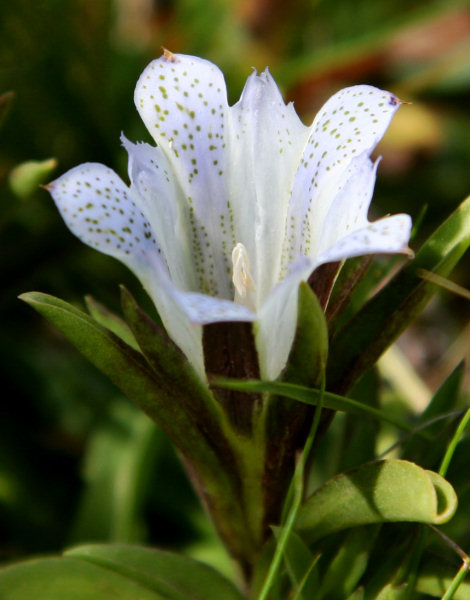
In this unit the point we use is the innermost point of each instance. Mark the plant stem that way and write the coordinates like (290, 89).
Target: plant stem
(295, 492)
(455, 584)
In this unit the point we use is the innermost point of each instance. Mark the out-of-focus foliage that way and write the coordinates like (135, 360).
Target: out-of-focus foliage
(69, 444)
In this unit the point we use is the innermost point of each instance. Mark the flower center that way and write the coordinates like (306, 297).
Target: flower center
(242, 279)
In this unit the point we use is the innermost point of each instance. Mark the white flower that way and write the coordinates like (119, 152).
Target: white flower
(235, 205)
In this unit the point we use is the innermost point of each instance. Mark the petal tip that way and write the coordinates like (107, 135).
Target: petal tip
(408, 252)
(168, 55)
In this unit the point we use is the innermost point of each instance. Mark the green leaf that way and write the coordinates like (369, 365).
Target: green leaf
(381, 320)
(306, 365)
(446, 284)
(391, 592)
(377, 492)
(300, 563)
(172, 368)
(69, 579)
(308, 356)
(348, 566)
(311, 396)
(114, 573)
(352, 272)
(173, 575)
(126, 368)
(111, 321)
(172, 397)
(357, 594)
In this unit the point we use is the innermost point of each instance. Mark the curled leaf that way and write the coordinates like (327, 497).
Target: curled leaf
(377, 492)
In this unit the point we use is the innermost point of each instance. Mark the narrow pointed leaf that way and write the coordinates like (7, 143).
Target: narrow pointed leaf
(300, 562)
(348, 566)
(307, 359)
(357, 594)
(377, 492)
(390, 592)
(446, 284)
(111, 321)
(126, 367)
(170, 364)
(311, 396)
(160, 397)
(120, 362)
(381, 320)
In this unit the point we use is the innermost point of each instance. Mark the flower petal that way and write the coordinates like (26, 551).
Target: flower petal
(183, 102)
(202, 309)
(153, 183)
(101, 210)
(349, 124)
(186, 334)
(350, 204)
(388, 235)
(268, 139)
(277, 322)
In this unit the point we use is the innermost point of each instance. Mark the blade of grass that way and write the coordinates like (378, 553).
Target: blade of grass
(444, 283)
(459, 577)
(453, 444)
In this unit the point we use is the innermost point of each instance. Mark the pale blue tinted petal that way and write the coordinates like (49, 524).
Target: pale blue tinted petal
(349, 124)
(186, 334)
(350, 204)
(153, 182)
(268, 139)
(101, 211)
(388, 235)
(275, 328)
(183, 102)
(202, 309)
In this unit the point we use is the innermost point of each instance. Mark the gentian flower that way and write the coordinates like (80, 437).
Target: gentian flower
(235, 205)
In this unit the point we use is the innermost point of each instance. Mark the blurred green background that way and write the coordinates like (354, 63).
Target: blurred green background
(77, 461)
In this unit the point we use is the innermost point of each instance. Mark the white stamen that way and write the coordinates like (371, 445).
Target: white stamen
(242, 279)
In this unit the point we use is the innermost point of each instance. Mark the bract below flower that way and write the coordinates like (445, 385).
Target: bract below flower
(235, 205)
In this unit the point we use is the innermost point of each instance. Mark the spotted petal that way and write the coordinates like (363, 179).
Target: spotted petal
(350, 124)
(251, 177)
(388, 235)
(104, 213)
(153, 183)
(183, 102)
(100, 210)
